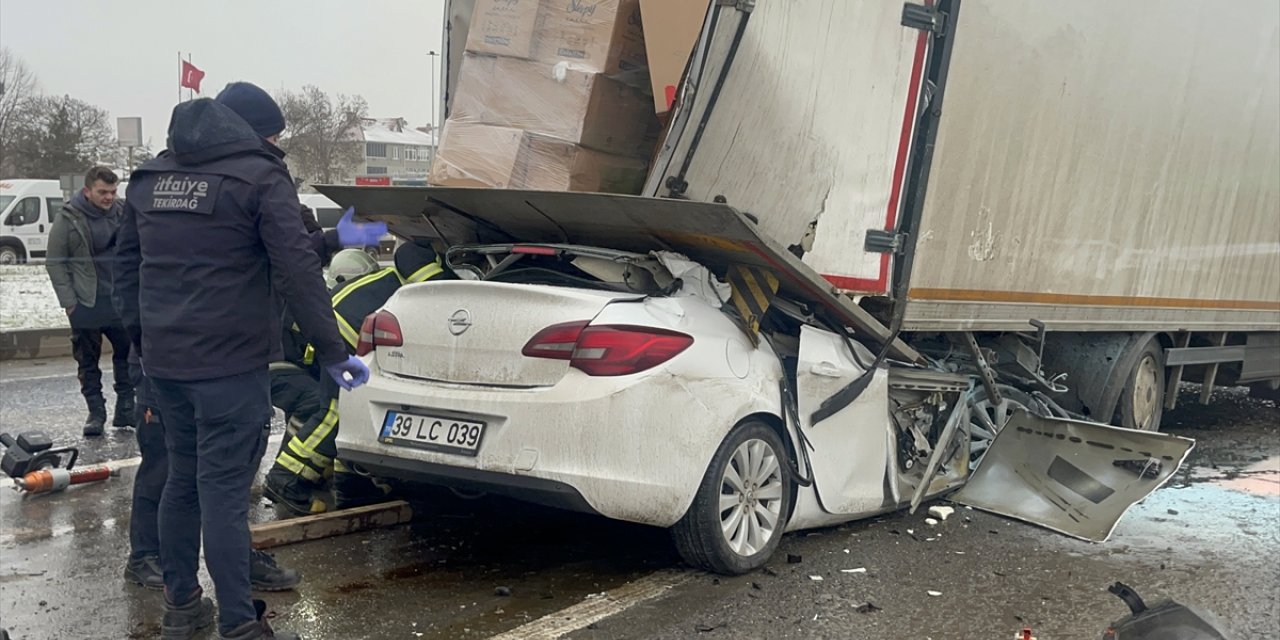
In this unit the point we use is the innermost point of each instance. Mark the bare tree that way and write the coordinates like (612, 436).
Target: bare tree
(16, 85)
(55, 135)
(322, 134)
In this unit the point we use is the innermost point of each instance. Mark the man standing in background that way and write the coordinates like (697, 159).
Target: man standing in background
(79, 263)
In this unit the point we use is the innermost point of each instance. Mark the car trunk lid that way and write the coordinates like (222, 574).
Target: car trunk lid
(469, 332)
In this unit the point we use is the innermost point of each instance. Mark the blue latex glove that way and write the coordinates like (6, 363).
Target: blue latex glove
(353, 367)
(359, 234)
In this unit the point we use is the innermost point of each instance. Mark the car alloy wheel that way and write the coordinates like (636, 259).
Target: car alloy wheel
(742, 504)
(751, 497)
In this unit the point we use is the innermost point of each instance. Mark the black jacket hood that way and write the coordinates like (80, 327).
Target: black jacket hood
(204, 130)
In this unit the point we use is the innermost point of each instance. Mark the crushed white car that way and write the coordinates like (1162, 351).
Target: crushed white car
(657, 361)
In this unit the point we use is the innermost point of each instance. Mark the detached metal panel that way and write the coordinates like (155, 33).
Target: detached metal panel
(810, 129)
(1106, 165)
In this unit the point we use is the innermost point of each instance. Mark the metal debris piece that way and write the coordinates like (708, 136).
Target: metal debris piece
(941, 512)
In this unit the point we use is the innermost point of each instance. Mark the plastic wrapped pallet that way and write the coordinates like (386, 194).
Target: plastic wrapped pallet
(476, 155)
(586, 109)
(602, 36)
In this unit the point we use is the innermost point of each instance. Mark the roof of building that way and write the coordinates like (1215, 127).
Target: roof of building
(406, 137)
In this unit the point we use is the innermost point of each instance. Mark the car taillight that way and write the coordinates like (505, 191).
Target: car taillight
(607, 350)
(556, 341)
(380, 329)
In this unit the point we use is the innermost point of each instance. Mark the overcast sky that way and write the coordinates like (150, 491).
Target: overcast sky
(123, 55)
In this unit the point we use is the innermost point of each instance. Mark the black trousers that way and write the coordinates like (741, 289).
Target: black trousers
(89, 326)
(148, 482)
(216, 432)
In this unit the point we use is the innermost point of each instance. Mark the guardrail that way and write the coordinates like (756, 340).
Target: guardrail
(29, 344)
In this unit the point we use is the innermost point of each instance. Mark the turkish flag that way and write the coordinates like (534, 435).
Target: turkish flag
(191, 76)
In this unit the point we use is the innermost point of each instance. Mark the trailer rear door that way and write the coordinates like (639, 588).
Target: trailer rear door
(801, 113)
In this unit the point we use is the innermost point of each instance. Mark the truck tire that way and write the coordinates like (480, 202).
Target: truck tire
(1141, 404)
(737, 517)
(10, 254)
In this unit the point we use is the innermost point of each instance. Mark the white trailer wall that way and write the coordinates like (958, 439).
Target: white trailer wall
(1106, 164)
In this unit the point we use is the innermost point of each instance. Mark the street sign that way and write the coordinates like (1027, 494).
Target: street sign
(129, 132)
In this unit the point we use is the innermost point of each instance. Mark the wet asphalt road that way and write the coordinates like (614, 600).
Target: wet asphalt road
(1210, 538)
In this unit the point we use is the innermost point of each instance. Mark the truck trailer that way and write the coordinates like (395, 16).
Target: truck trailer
(1090, 190)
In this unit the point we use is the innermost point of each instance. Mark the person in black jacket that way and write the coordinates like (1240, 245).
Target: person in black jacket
(143, 566)
(210, 231)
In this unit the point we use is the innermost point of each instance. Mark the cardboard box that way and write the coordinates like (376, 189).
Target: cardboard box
(671, 28)
(503, 27)
(477, 155)
(605, 36)
(586, 109)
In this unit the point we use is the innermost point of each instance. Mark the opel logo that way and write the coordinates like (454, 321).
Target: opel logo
(459, 322)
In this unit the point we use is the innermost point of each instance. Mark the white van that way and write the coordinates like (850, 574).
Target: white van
(27, 208)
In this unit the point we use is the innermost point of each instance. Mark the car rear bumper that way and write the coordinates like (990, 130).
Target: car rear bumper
(529, 489)
(632, 448)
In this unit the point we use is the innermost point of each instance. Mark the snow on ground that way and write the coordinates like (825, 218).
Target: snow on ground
(27, 300)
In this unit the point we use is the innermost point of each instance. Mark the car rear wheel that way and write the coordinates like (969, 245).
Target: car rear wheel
(737, 518)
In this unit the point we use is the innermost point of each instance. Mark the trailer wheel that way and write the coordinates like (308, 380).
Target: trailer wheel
(1142, 400)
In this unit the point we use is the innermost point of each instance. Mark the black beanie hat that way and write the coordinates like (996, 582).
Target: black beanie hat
(255, 106)
(412, 256)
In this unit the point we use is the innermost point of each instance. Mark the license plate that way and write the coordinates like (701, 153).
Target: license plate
(448, 435)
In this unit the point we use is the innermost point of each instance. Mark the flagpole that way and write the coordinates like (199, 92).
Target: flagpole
(179, 76)
(191, 93)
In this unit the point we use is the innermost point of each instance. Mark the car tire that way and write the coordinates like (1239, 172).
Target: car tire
(752, 501)
(1141, 403)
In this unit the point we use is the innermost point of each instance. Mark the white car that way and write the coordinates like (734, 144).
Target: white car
(636, 385)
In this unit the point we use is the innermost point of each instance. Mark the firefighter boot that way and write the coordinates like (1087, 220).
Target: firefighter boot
(291, 492)
(351, 489)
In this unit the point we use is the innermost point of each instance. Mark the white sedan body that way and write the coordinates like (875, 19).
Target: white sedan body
(633, 447)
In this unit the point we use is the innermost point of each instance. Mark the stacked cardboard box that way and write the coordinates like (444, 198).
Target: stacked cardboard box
(539, 104)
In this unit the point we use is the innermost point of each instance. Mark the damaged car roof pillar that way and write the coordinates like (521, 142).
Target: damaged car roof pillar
(713, 234)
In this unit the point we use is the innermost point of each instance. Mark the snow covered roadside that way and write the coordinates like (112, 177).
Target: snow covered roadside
(27, 300)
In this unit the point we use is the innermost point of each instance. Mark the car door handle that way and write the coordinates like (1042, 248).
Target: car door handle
(825, 369)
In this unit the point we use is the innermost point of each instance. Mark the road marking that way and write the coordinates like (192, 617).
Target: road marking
(599, 607)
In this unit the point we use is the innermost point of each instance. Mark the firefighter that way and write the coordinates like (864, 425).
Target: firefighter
(349, 264)
(301, 466)
(295, 379)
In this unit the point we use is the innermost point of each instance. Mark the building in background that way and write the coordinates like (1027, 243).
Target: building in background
(394, 153)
